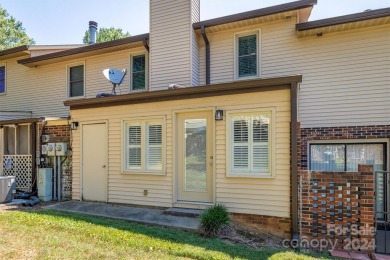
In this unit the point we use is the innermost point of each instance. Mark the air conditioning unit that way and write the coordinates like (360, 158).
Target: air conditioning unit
(45, 138)
(7, 188)
(61, 149)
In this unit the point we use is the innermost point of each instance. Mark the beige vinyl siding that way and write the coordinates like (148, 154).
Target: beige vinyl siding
(42, 90)
(195, 15)
(346, 74)
(171, 43)
(262, 196)
(9, 115)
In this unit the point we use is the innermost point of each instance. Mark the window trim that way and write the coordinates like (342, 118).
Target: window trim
(134, 54)
(271, 143)
(143, 170)
(384, 141)
(236, 68)
(68, 66)
(5, 79)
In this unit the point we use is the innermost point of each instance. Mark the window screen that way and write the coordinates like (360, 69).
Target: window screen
(247, 55)
(346, 157)
(139, 71)
(2, 79)
(76, 81)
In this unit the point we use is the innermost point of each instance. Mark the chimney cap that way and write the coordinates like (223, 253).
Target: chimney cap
(93, 23)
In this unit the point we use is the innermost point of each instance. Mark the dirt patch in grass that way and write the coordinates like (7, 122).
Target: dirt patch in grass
(39, 206)
(235, 234)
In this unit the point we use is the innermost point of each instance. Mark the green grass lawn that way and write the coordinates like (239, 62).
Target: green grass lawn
(50, 234)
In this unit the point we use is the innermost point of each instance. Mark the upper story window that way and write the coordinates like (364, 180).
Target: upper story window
(247, 55)
(138, 72)
(76, 81)
(2, 79)
(250, 144)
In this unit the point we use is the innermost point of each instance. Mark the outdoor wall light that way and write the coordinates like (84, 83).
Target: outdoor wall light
(218, 114)
(74, 125)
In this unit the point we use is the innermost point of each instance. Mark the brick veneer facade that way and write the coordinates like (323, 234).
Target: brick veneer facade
(61, 134)
(278, 226)
(337, 133)
(338, 207)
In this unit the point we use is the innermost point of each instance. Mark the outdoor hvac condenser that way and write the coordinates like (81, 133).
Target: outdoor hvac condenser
(45, 184)
(7, 188)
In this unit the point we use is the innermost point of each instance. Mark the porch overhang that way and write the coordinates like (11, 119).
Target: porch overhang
(20, 121)
(230, 88)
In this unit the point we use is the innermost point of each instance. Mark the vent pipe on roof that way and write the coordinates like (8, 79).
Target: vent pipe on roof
(92, 32)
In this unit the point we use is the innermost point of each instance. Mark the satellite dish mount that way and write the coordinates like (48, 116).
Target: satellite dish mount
(116, 77)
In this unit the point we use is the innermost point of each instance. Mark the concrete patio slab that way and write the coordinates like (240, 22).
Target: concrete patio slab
(141, 215)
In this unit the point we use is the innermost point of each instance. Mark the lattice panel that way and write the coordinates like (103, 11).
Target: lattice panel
(21, 168)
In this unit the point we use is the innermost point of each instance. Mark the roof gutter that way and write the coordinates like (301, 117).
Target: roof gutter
(206, 41)
(350, 18)
(230, 88)
(145, 43)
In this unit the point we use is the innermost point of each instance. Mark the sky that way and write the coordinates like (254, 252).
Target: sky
(65, 21)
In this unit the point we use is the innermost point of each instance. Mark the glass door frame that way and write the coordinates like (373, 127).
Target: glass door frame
(178, 116)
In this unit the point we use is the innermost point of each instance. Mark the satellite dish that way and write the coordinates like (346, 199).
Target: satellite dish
(116, 77)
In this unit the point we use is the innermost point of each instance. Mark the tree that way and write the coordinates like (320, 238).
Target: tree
(106, 34)
(12, 33)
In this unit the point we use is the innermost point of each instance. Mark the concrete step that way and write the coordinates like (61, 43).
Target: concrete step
(182, 212)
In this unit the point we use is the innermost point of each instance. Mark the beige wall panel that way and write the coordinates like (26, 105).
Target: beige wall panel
(43, 89)
(246, 195)
(346, 75)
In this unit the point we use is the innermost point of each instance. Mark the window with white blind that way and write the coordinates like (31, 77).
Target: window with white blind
(249, 139)
(144, 146)
(247, 55)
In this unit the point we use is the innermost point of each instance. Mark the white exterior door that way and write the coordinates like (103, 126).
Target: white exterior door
(195, 157)
(94, 162)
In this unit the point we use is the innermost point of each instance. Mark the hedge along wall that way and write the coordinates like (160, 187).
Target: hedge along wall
(338, 209)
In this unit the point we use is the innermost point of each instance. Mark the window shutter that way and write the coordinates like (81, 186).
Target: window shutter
(134, 147)
(240, 143)
(260, 161)
(154, 147)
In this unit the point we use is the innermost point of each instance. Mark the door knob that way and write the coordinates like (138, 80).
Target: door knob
(104, 166)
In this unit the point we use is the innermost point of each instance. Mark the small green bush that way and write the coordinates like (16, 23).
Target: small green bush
(213, 219)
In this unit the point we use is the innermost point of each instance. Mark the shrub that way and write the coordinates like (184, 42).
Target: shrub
(213, 219)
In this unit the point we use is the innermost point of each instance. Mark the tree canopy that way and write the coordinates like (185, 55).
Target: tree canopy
(12, 33)
(106, 34)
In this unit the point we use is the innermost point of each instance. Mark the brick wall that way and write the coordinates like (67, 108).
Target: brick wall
(338, 207)
(336, 133)
(277, 226)
(61, 134)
